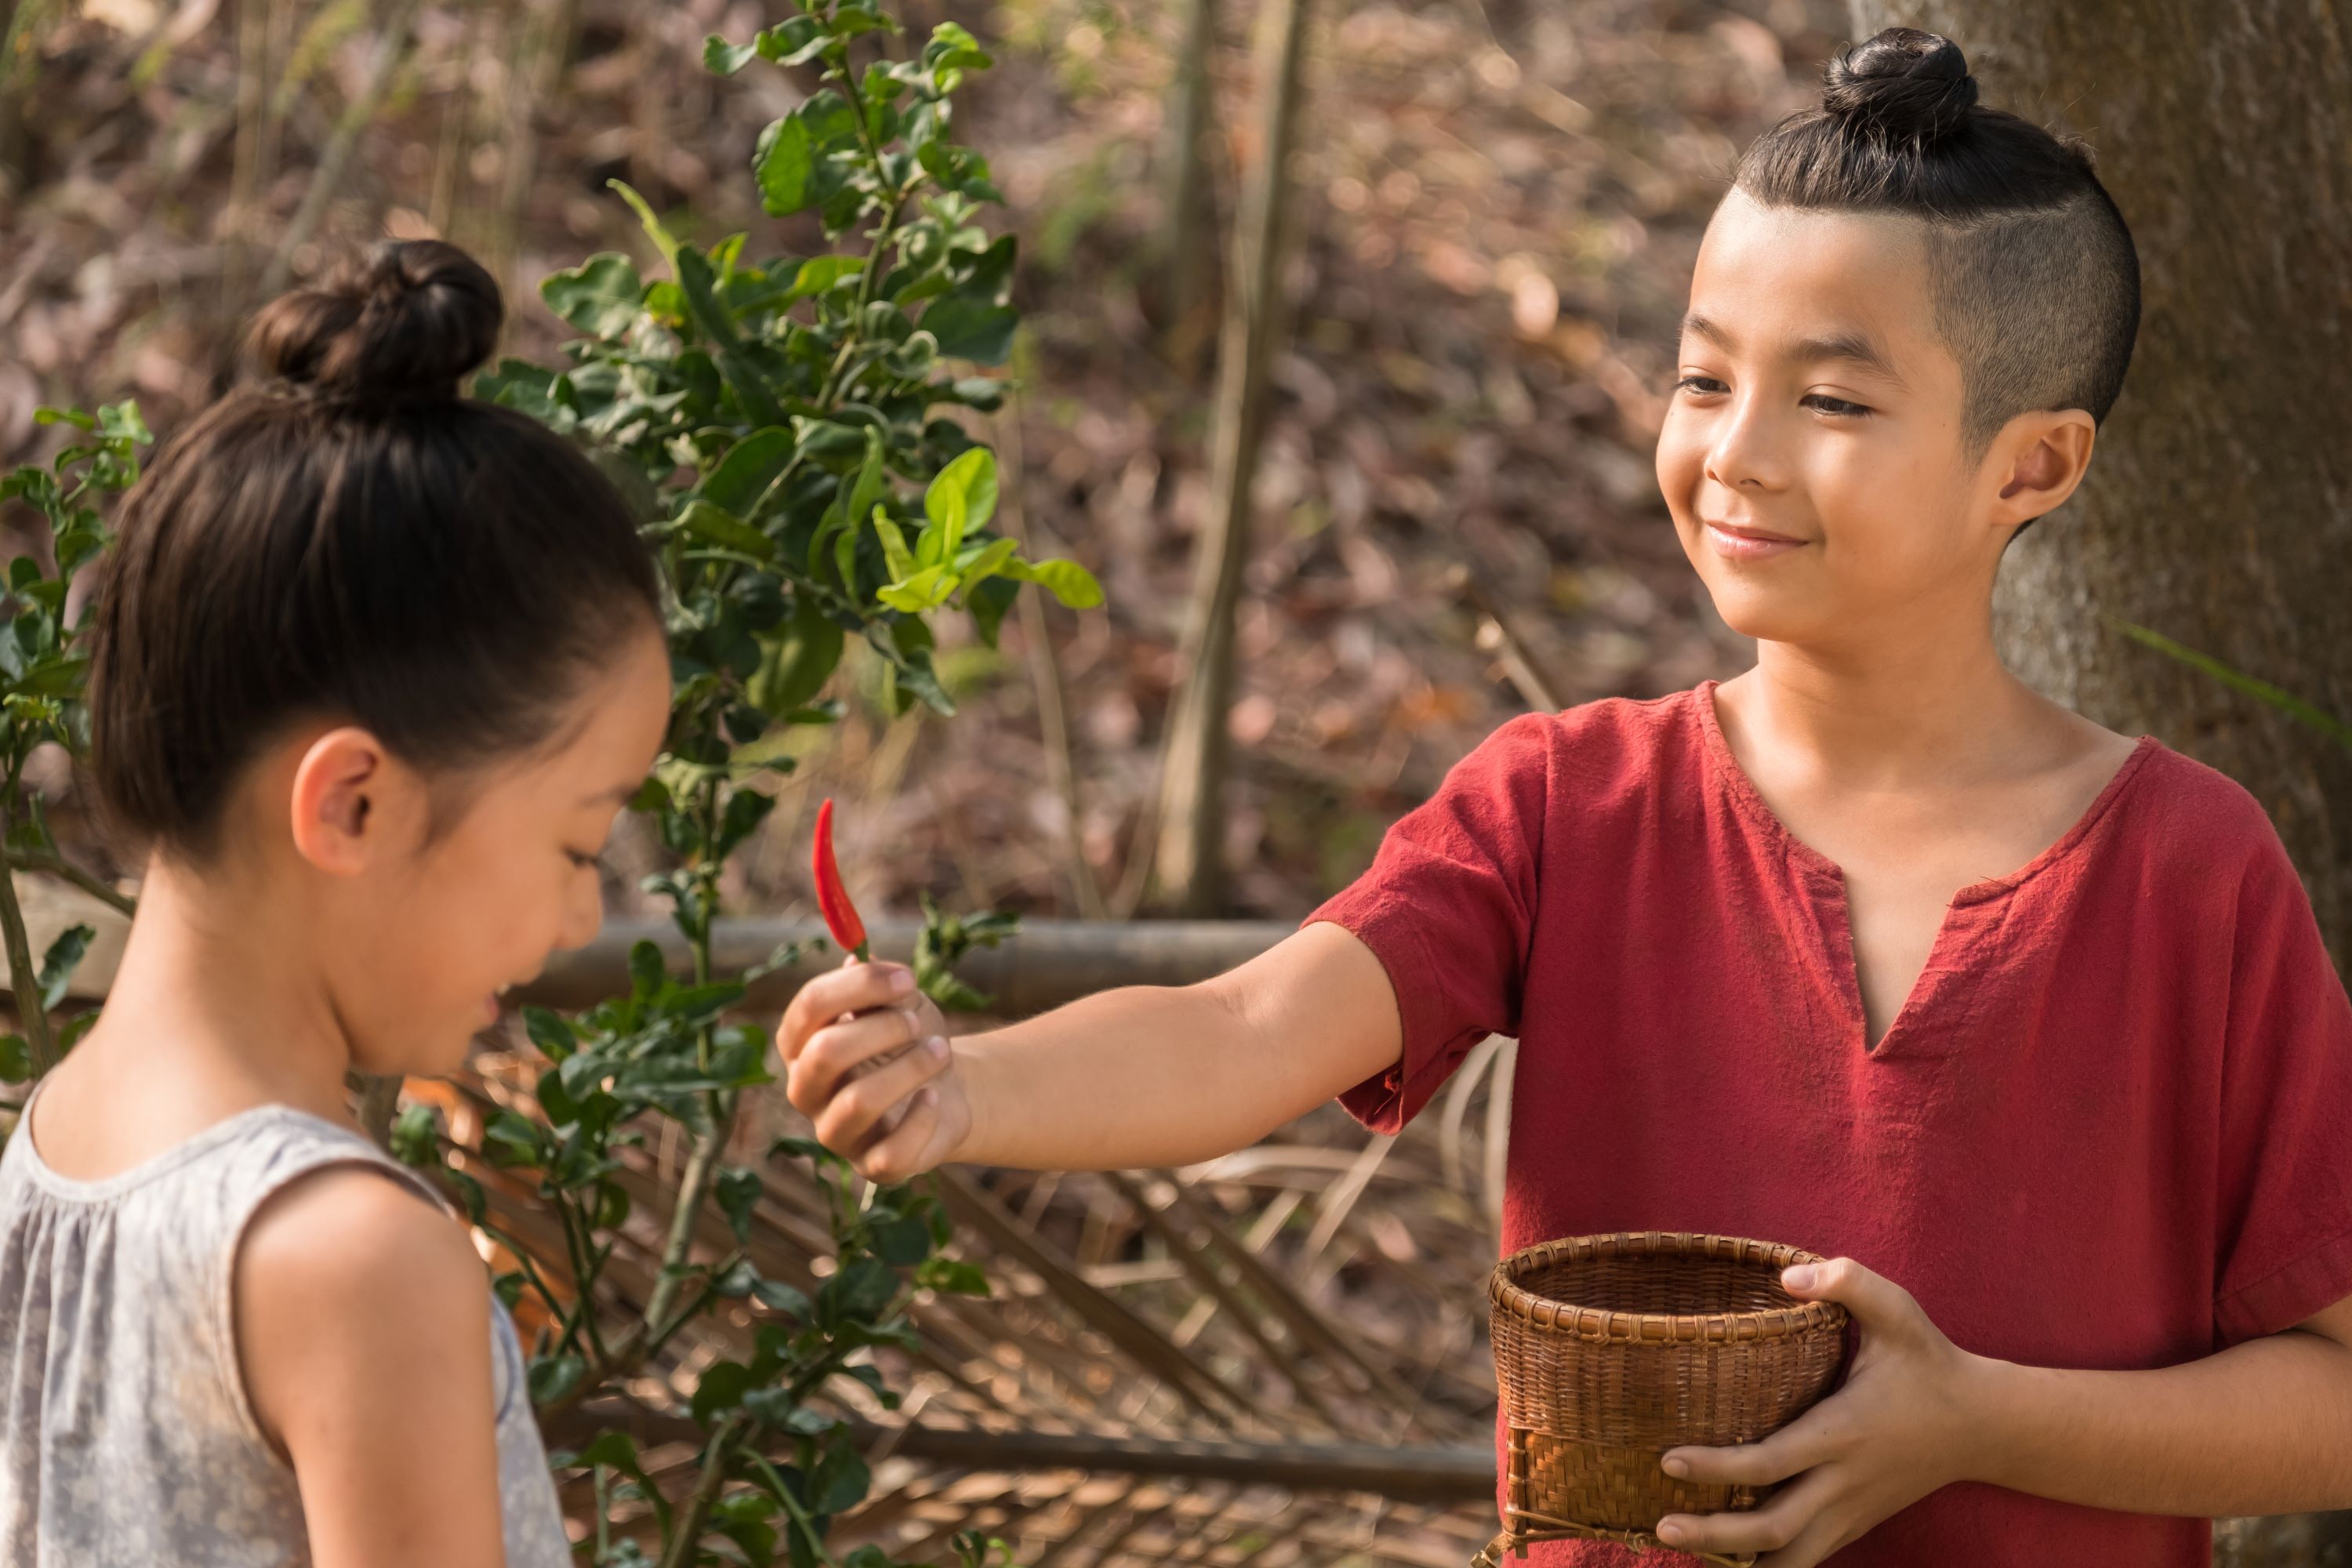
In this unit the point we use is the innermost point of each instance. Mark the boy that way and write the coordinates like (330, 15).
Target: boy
(2027, 1026)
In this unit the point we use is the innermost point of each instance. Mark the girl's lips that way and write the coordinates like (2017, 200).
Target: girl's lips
(1747, 547)
(490, 1008)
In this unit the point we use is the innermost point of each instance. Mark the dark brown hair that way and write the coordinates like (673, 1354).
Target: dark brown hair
(348, 537)
(2034, 277)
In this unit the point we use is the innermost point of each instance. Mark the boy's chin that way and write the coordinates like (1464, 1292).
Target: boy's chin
(1765, 615)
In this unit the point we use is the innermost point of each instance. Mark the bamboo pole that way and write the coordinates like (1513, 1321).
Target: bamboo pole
(1189, 860)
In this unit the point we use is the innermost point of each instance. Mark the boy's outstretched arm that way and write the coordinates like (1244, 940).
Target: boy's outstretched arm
(1141, 1074)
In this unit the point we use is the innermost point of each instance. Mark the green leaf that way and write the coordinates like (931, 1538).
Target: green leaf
(1065, 580)
(823, 274)
(553, 1377)
(923, 590)
(600, 296)
(647, 973)
(795, 42)
(839, 1480)
(893, 544)
(960, 498)
(664, 241)
(737, 1189)
(794, 666)
(416, 1136)
(745, 810)
(951, 1276)
(782, 161)
(550, 1032)
(777, 1296)
(714, 526)
(723, 59)
(722, 1388)
(969, 330)
(749, 467)
(15, 1058)
(57, 964)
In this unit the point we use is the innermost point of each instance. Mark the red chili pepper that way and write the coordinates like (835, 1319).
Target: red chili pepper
(832, 898)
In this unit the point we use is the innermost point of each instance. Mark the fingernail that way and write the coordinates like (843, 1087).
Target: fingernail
(1668, 1531)
(1798, 1275)
(902, 981)
(1677, 1465)
(936, 1044)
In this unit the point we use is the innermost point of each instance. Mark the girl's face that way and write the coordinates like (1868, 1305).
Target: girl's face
(1810, 454)
(429, 936)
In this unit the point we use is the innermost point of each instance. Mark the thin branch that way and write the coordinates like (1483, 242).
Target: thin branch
(58, 865)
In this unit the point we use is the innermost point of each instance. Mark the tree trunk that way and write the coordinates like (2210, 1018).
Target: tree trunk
(1187, 218)
(2218, 510)
(1189, 860)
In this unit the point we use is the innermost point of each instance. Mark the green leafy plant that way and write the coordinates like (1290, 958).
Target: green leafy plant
(42, 670)
(781, 423)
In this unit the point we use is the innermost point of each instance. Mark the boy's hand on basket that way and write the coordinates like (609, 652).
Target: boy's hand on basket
(1905, 1422)
(867, 1060)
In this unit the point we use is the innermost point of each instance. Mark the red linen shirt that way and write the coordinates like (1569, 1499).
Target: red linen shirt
(2111, 1128)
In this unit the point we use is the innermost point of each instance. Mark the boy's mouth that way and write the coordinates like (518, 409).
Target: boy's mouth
(1737, 541)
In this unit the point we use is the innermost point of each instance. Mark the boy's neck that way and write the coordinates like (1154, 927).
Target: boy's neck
(1891, 716)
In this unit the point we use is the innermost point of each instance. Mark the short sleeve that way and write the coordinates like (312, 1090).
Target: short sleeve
(2285, 1203)
(1448, 906)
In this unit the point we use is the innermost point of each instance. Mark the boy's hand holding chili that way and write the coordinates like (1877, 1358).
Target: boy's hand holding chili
(845, 1041)
(858, 1041)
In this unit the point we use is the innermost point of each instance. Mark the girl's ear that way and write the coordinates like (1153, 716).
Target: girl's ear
(2046, 455)
(347, 798)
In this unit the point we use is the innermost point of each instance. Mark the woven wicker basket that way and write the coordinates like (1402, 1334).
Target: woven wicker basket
(1610, 1349)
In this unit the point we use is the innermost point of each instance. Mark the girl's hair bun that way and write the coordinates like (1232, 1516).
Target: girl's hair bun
(405, 321)
(1903, 83)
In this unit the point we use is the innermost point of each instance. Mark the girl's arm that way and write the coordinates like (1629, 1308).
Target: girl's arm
(1142, 1075)
(362, 1326)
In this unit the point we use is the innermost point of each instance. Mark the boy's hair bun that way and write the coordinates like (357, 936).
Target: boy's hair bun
(1905, 84)
(406, 321)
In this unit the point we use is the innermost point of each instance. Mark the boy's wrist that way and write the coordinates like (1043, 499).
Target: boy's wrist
(970, 1063)
(1991, 1398)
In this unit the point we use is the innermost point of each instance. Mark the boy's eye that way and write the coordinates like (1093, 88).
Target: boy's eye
(1843, 409)
(1691, 383)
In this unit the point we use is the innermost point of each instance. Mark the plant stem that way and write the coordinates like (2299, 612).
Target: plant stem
(678, 1553)
(58, 865)
(23, 980)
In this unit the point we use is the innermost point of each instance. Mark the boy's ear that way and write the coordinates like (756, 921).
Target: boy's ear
(2044, 457)
(346, 798)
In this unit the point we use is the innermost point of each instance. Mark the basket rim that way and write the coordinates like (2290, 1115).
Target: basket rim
(1612, 1324)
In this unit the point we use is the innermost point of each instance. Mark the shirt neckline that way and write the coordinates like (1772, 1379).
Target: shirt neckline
(163, 1161)
(1751, 801)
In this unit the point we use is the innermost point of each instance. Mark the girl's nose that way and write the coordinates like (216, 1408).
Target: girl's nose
(584, 915)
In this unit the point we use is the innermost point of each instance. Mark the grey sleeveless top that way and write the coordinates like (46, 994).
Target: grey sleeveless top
(127, 1441)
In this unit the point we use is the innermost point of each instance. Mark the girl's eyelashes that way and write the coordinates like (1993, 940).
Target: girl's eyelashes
(586, 862)
(1836, 407)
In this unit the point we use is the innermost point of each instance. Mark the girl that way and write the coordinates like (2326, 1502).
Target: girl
(375, 667)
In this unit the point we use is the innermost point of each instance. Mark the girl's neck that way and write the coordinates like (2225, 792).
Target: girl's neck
(219, 1004)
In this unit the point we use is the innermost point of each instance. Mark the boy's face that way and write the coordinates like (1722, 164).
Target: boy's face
(1810, 454)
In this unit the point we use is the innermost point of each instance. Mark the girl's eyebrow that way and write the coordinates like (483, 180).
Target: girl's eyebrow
(1855, 347)
(618, 796)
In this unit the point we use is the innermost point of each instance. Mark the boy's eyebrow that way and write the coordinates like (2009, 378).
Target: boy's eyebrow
(1853, 347)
